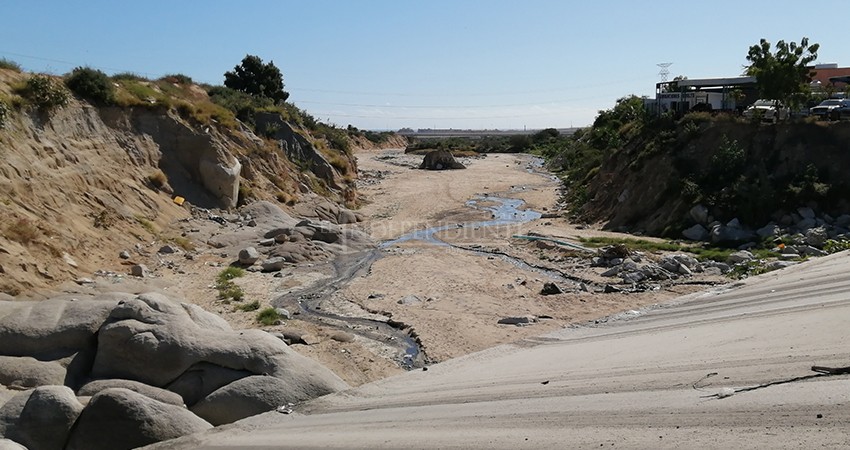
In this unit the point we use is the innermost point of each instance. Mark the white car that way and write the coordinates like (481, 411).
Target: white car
(767, 110)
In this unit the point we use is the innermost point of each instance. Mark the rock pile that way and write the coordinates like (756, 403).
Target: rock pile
(631, 268)
(802, 232)
(123, 370)
(271, 239)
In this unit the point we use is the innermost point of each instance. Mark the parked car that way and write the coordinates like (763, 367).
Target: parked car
(824, 109)
(840, 112)
(767, 110)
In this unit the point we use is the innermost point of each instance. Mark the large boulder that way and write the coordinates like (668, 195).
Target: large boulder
(203, 379)
(119, 418)
(440, 160)
(41, 418)
(244, 398)
(154, 340)
(158, 394)
(28, 372)
(51, 328)
(221, 178)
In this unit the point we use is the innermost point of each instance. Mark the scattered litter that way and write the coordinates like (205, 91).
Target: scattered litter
(286, 409)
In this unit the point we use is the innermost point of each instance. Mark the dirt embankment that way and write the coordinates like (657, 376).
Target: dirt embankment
(755, 172)
(82, 183)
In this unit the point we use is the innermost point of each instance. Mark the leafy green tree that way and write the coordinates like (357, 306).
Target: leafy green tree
(785, 74)
(259, 79)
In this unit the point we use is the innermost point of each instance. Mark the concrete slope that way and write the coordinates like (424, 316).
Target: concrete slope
(646, 379)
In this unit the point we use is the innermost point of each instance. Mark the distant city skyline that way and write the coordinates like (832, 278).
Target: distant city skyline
(383, 64)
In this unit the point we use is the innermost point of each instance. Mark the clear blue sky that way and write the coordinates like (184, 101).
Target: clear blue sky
(387, 64)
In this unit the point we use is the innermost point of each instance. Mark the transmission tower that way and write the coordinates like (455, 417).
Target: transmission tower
(665, 70)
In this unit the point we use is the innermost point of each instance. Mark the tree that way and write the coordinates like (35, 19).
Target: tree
(258, 79)
(783, 75)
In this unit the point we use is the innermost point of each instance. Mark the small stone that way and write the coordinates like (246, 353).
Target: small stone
(124, 254)
(167, 249)
(551, 289)
(248, 256)
(139, 270)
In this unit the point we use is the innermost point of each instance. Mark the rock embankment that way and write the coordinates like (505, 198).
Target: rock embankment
(122, 370)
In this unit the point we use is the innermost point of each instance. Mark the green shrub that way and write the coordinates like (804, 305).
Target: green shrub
(177, 78)
(91, 84)
(268, 316)
(9, 65)
(128, 76)
(227, 289)
(253, 306)
(45, 93)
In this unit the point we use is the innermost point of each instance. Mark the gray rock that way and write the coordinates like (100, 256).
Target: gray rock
(805, 212)
(518, 320)
(409, 300)
(148, 391)
(139, 270)
(612, 272)
(551, 289)
(440, 160)
(167, 249)
(51, 327)
(699, 214)
(274, 264)
(124, 254)
(740, 257)
(41, 418)
(341, 336)
(248, 256)
(734, 223)
(267, 242)
(776, 265)
(133, 419)
(727, 234)
(202, 379)
(243, 398)
(221, 178)
(27, 372)
(805, 224)
(808, 250)
(154, 340)
(817, 237)
(696, 233)
(284, 313)
(843, 221)
(610, 289)
(6, 444)
(632, 276)
(768, 231)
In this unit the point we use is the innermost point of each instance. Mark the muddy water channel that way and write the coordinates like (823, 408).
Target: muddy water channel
(312, 302)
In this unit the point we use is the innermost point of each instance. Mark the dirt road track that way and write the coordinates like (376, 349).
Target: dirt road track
(645, 380)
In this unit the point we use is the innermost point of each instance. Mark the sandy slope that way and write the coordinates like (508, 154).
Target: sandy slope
(646, 382)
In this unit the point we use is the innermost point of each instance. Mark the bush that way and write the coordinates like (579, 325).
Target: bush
(253, 306)
(128, 76)
(268, 316)
(9, 65)
(45, 93)
(227, 289)
(91, 84)
(177, 78)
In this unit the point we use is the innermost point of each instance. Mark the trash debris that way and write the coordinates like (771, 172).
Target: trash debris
(286, 409)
